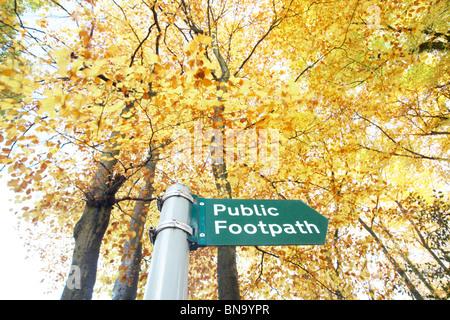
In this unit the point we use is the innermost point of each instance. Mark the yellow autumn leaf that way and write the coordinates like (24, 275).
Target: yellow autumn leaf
(357, 112)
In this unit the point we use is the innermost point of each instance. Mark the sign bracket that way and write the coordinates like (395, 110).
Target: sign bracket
(175, 224)
(198, 237)
(174, 193)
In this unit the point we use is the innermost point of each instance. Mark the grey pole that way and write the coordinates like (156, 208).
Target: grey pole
(168, 273)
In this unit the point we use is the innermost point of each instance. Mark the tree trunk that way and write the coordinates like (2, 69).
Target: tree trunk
(90, 229)
(227, 276)
(125, 287)
(228, 285)
(227, 273)
(411, 265)
(88, 234)
(411, 287)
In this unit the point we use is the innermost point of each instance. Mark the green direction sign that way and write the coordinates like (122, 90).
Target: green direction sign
(241, 222)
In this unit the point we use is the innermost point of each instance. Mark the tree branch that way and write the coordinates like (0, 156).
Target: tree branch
(304, 269)
(413, 153)
(141, 43)
(117, 200)
(273, 25)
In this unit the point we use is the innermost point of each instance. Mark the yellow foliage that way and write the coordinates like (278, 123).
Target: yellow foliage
(355, 134)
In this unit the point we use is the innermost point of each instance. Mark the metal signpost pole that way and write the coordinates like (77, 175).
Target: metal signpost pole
(168, 273)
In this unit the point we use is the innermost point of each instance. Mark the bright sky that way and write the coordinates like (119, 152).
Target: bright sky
(20, 278)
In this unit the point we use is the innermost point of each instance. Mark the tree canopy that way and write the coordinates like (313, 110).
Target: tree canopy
(124, 98)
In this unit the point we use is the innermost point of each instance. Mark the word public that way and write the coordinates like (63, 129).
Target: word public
(259, 226)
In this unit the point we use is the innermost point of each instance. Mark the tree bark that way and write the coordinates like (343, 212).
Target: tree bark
(227, 276)
(125, 287)
(411, 265)
(90, 229)
(228, 285)
(411, 287)
(88, 234)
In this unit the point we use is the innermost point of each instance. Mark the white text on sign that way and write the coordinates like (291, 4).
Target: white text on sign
(245, 211)
(265, 228)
